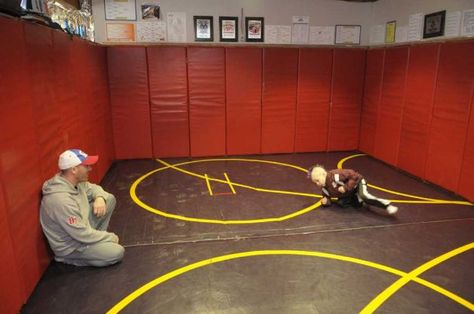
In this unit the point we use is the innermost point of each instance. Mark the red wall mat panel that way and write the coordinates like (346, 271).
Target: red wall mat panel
(206, 75)
(416, 119)
(450, 114)
(389, 118)
(347, 89)
(91, 72)
(13, 80)
(280, 76)
(39, 49)
(102, 120)
(11, 285)
(82, 97)
(128, 84)
(314, 92)
(85, 86)
(169, 101)
(66, 94)
(371, 99)
(244, 98)
(465, 186)
(20, 154)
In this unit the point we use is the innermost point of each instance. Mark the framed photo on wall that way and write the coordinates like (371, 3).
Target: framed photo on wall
(254, 29)
(434, 24)
(347, 34)
(390, 31)
(229, 28)
(203, 28)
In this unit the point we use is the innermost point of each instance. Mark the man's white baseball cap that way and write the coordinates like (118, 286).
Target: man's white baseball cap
(75, 157)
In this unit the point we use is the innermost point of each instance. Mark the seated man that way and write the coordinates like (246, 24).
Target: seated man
(348, 186)
(75, 214)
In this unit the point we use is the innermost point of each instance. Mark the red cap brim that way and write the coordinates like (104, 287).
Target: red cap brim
(90, 160)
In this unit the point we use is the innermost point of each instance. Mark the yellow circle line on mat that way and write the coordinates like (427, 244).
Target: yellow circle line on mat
(177, 272)
(428, 200)
(397, 285)
(217, 221)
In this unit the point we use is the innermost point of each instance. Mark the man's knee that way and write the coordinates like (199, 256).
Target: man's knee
(110, 202)
(116, 254)
(112, 255)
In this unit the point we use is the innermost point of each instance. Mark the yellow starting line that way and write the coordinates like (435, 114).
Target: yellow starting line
(208, 184)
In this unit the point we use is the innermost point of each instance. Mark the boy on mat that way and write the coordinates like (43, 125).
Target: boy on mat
(75, 214)
(348, 186)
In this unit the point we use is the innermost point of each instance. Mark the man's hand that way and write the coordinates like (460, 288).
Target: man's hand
(341, 189)
(99, 207)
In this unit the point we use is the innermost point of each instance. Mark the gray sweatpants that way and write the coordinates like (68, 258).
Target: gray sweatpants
(101, 253)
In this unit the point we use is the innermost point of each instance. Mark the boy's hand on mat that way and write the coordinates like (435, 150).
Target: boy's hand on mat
(324, 201)
(99, 207)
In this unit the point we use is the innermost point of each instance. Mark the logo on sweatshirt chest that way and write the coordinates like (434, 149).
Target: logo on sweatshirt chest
(72, 220)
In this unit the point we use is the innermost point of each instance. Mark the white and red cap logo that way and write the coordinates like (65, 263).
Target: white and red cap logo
(75, 157)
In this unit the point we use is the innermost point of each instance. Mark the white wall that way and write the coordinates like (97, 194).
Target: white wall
(275, 12)
(280, 12)
(388, 10)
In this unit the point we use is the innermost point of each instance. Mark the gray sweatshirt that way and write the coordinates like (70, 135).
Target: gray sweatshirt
(64, 215)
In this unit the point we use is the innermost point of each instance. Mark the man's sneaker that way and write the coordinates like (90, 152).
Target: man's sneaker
(392, 209)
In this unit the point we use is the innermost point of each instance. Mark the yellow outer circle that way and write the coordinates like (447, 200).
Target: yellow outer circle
(217, 221)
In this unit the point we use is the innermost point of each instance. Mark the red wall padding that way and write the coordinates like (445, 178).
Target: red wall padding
(89, 64)
(169, 101)
(420, 86)
(244, 100)
(450, 114)
(39, 49)
(465, 185)
(389, 117)
(11, 286)
(128, 83)
(206, 74)
(29, 117)
(102, 136)
(347, 90)
(280, 76)
(371, 99)
(44, 110)
(16, 104)
(314, 93)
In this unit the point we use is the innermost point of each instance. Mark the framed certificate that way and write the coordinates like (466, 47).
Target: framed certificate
(203, 28)
(229, 28)
(254, 29)
(347, 34)
(434, 24)
(120, 10)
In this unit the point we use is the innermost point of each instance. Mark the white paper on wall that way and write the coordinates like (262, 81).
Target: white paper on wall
(415, 26)
(176, 26)
(467, 23)
(151, 31)
(299, 33)
(120, 10)
(453, 24)
(278, 34)
(321, 35)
